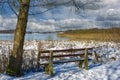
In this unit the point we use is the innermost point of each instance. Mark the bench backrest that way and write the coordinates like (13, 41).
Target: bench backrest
(58, 54)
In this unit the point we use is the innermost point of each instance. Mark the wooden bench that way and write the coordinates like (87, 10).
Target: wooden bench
(50, 55)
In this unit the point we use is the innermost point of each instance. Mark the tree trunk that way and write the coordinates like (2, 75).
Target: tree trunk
(15, 61)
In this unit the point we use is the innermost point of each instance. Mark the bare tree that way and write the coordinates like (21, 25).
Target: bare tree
(23, 8)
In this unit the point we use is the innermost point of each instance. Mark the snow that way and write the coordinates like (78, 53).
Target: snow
(108, 69)
(71, 72)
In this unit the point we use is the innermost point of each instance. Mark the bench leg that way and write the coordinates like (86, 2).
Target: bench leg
(96, 60)
(86, 59)
(51, 69)
(81, 63)
(46, 69)
(51, 63)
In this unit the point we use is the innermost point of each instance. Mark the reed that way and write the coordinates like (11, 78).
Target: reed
(112, 34)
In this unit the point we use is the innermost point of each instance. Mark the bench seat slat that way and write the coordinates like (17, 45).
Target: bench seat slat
(64, 61)
(64, 55)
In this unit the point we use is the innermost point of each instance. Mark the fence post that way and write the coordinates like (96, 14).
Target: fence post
(86, 59)
(51, 63)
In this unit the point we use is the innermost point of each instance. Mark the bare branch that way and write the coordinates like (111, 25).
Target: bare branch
(12, 9)
(35, 5)
(37, 13)
(50, 4)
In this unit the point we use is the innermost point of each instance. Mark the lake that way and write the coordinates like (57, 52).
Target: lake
(33, 36)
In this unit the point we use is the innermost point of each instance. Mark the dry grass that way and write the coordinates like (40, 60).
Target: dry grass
(112, 34)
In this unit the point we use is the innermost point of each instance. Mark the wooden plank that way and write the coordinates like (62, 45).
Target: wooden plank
(64, 55)
(65, 50)
(64, 61)
(59, 62)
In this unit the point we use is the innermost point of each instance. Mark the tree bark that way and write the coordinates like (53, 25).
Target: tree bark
(15, 61)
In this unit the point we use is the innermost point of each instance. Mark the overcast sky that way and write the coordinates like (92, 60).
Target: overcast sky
(65, 18)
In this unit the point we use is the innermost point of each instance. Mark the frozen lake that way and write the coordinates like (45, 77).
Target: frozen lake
(33, 36)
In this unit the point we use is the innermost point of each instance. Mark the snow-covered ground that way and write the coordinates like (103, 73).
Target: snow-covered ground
(71, 72)
(108, 70)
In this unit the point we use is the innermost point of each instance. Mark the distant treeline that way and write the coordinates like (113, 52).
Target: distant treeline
(7, 31)
(29, 32)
